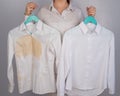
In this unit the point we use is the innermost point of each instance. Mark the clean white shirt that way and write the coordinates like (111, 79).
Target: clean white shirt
(69, 18)
(87, 61)
(36, 48)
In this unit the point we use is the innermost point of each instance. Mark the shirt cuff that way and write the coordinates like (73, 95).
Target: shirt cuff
(11, 88)
(60, 94)
(111, 92)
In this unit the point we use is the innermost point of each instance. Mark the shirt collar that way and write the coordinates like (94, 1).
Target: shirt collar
(38, 26)
(52, 8)
(85, 29)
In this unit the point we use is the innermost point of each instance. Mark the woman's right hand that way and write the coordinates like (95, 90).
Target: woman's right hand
(30, 6)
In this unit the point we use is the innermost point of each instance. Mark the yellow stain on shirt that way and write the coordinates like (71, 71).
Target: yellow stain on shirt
(28, 45)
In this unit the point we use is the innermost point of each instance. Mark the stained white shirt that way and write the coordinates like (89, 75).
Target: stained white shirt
(87, 61)
(36, 48)
(68, 19)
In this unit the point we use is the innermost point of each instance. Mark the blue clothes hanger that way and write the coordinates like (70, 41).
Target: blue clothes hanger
(31, 18)
(90, 19)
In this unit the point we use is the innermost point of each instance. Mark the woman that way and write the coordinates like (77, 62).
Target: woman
(60, 15)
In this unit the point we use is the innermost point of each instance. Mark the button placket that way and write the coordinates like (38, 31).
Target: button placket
(89, 49)
(87, 74)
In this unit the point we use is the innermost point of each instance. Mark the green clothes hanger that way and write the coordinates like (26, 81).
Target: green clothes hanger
(90, 19)
(31, 18)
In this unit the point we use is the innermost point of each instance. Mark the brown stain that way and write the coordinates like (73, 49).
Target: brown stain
(20, 77)
(28, 45)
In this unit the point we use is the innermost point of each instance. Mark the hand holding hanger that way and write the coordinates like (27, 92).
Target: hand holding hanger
(90, 18)
(30, 7)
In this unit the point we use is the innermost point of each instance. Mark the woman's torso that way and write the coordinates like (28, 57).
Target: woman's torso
(69, 18)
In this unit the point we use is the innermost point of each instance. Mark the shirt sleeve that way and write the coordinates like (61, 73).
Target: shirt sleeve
(10, 67)
(111, 70)
(63, 68)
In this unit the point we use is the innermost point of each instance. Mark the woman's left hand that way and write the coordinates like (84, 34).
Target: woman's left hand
(91, 11)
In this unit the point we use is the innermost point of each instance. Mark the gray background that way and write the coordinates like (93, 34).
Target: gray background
(12, 14)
